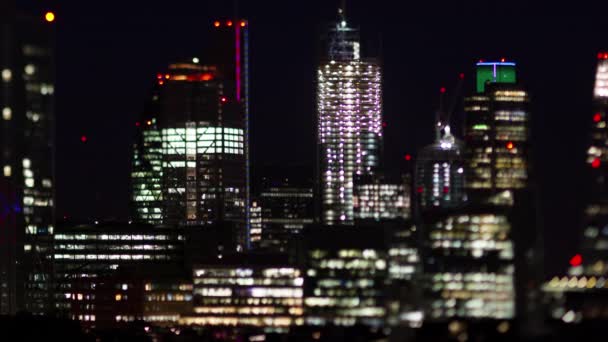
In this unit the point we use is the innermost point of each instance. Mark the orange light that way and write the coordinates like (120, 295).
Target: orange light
(161, 82)
(243, 23)
(149, 122)
(509, 145)
(49, 17)
(216, 23)
(206, 77)
(167, 76)
(229, 23)
(502, 60)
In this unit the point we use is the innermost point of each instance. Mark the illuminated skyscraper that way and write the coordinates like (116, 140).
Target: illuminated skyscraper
(595, 239)
(582, 295)
(497, 132)
(349, 119)
(27, 147)
(191, 164)
(440, 172)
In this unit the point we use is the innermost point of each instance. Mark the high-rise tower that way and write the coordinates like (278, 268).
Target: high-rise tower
(27, 146)
(497, 132)
(191, 164)
(349, 121)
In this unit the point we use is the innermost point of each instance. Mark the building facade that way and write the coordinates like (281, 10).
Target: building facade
(496, 131)
(377, 199)
(27, 145)
(349, 122)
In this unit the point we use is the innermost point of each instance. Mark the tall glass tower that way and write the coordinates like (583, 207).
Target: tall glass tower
(349, 122)
(27, 145)
(189, 160)
(497, 131)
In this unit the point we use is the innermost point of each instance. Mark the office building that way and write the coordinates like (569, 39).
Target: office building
(286, 208)
(469, 268)
(349, 122)
(377, 198)
(247, 290)
(190, 164)
(496, 131)
(27, 149)
(440, 176)
(87, 255)
(346, 272)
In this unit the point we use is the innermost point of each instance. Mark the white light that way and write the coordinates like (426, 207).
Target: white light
(29, 182)
(7, 75)
(7, 113)
(27, 163)
(7, 171)
(195, 60)
(30, 69)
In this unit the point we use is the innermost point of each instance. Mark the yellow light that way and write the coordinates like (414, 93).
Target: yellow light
(216, 24)
(243, 23)
(118, 297)
(49, 17)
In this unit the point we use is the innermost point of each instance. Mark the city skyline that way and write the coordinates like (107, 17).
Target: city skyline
(424, 67)
(268, 171)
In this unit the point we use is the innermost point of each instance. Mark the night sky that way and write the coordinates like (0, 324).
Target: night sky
(108, 53)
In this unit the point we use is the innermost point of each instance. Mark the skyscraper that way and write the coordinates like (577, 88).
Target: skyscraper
(191, 164)
(349, 119)
(497, 131)
(27, 148)
(191, 161)
(440, 172)
(595, 238)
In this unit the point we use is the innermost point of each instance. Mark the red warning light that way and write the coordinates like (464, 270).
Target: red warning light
(481, 61)
(383, 124)
(159, 76)
(446, 190)
(597, 117)
(408, 157)
(576, 260)
(502, 60)
(461, 75)
(510, 145)
(602, 55)
(83, 138)
(420, 189)
(596, 163)
(161, 82)
(229, 23)
(223, 99)
(137, 124)
(442, 90)
(216, 23)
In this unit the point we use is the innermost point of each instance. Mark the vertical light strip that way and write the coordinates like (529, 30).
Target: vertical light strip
(237, 60)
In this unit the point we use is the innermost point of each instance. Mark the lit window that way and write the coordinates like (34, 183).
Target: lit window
(7, 170)
(30, 69)
(7, 75)
(7, 113)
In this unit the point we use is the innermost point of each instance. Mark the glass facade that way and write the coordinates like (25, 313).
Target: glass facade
(85, 255)
(349, 109)
(263, 294)
(469, 266)
(190, 161)
(376, 199)
(497, 134)
(346, 278)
